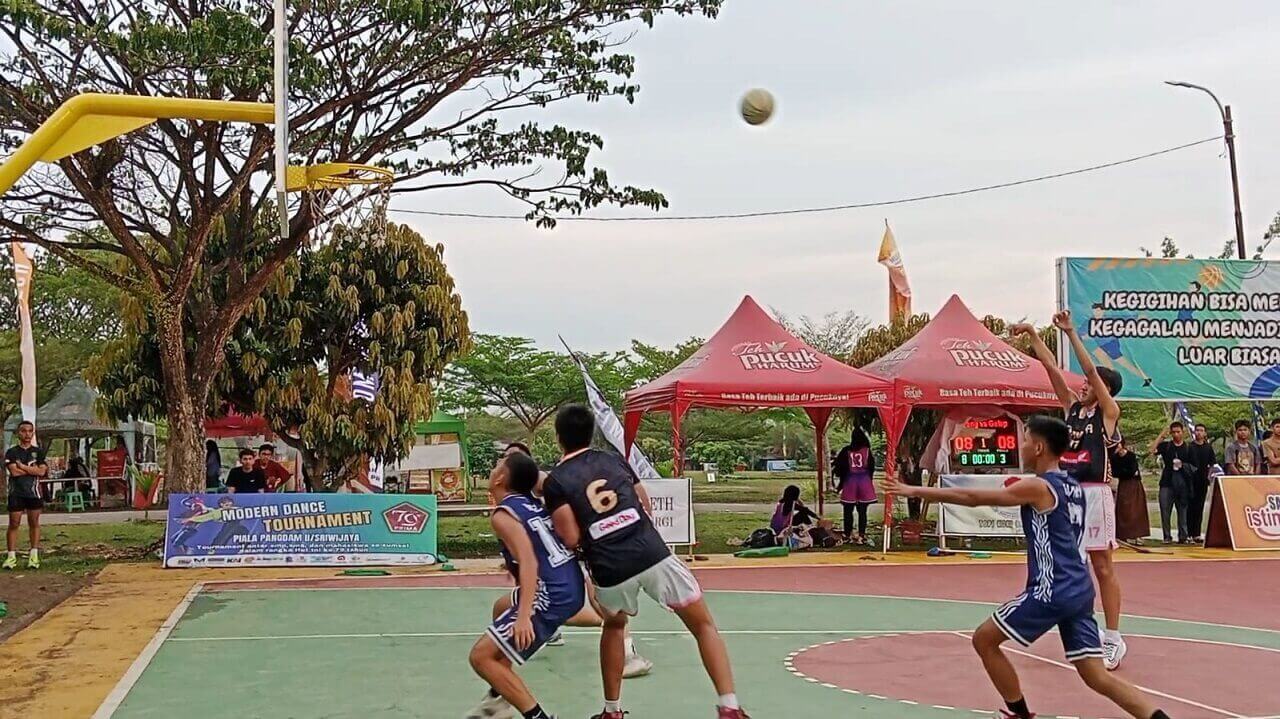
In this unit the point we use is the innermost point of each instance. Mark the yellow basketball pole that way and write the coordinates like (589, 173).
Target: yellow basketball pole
(90, 119)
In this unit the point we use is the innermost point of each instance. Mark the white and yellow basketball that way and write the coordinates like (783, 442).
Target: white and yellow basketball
(757, 106)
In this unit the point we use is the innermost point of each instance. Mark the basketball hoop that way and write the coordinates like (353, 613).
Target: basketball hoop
(343, 193)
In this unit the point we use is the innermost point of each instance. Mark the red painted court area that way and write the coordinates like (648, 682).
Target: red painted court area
(1193, 678)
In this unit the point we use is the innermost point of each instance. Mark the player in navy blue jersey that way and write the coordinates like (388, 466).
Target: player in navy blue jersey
(551, 591)
(1059, 592)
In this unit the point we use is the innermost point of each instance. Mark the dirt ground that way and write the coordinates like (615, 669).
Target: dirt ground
(29, 595)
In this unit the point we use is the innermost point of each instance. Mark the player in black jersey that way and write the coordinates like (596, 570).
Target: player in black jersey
(1093, 416)
(599, 506)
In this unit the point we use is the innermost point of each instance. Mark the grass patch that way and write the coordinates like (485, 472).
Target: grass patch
(86, 548)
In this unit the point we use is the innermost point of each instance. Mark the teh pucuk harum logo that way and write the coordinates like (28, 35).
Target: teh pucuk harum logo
(406, 518)
(976, 353)
(775, 355)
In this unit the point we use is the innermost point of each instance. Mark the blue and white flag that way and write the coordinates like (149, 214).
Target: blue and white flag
(366, 387)
(1259, 421)
(609, 424)
(1181, 413)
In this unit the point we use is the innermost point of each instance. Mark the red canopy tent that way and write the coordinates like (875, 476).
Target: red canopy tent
(955, 360)
(237, 425)
(753, 361)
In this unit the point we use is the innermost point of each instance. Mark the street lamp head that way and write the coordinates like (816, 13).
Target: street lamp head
(1178, 84)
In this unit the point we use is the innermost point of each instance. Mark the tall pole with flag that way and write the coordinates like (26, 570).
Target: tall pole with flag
(899, 288)
(23, 275)
(610, 426)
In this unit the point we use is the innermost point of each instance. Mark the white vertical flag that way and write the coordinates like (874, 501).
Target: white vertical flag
(366, 387)
(23, 274)
(609, 424)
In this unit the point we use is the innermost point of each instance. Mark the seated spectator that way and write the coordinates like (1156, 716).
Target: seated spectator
(77, 469)
(792, 519)
(1243, 456)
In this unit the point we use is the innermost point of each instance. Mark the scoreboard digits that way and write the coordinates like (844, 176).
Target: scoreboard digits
(987, 443)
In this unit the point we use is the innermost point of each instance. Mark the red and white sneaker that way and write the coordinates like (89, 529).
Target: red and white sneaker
(1006, 714)
(610, 715)
(732, 713)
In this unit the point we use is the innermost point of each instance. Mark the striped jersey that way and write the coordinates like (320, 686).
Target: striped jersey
(1057, 566)
(560, 576)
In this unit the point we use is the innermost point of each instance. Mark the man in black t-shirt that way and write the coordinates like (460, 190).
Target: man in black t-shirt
(25, 464)
(1204, 458)
(599, 507)
(1175, 479)
(247, 478)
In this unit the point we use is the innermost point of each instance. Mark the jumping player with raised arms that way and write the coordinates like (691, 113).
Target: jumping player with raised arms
(551, 590)
(1093, 416)
(600, 507)
(1059, 592)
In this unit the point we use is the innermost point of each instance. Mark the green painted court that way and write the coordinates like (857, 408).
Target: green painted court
(377, 649)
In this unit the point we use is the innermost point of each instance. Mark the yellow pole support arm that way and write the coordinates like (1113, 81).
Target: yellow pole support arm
(90, 119)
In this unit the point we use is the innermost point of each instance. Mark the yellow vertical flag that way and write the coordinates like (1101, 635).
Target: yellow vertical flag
(23, 274)
(899, 288)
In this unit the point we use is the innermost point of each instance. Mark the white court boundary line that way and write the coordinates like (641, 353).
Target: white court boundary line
(569, 633)
(121, 690)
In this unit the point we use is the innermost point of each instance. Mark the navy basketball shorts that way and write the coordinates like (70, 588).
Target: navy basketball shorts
(1025, 619)
(550, 612)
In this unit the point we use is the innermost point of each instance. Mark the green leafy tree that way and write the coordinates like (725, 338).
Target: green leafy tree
(442, 91)
(834, 334)
(379, 304)
(513, 376)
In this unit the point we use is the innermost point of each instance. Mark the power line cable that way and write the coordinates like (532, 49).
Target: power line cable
(815, 210)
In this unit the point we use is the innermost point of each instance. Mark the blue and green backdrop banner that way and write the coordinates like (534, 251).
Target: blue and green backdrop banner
(1177, 329)
(286, 529)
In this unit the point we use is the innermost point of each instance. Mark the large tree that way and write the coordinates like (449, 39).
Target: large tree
(380, 305)
(427, 86)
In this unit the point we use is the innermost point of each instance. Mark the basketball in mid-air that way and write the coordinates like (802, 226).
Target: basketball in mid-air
(757, 106)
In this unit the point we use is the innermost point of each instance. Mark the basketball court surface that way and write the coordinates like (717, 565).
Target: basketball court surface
(868, 640)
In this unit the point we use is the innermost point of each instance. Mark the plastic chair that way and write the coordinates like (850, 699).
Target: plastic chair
(74, 501)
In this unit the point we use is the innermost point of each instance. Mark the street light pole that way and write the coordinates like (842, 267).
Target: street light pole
(1230, 136)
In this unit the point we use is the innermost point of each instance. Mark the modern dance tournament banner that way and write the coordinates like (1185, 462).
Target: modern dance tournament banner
(236, 530)
(1177, 329)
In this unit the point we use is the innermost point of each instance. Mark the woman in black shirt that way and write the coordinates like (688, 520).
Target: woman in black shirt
(1132, 521)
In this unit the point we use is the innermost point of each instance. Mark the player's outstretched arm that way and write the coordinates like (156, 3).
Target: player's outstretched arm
(1066, 395)
(516, 540)
(1110, 408)
(1029, 490)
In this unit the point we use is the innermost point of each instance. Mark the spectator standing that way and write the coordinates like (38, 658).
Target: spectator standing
(277, 475)
(25, 464)
(1175, 479)
(1205, 458)
(1133, 523)
(853, 467)
(246, 478)
(1242, 456)
(212, 466)
(1271, 448)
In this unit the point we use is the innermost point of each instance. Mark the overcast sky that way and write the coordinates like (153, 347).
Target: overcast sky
(880, 100)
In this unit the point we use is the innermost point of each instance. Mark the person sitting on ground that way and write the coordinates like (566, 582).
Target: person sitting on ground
(1242, 456)
(792, 520)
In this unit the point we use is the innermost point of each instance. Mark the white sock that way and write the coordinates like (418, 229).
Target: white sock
(614, 706)
(1111, 635)
(13, 555)
(729, 701)
(630, 646)
(35, 552)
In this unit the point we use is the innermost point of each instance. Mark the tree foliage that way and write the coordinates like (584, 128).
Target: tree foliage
(383, 306)
(514, 376)
(834, 334)
(441, 91)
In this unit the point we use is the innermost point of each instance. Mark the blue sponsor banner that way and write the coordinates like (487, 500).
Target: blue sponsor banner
(285, 529)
